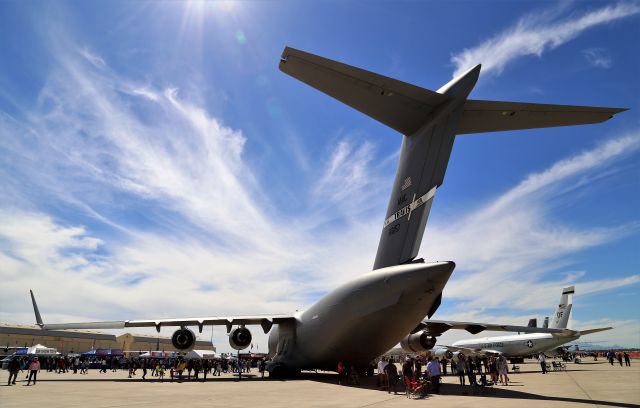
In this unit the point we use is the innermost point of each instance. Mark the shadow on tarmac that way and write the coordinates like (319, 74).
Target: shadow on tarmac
(365, 383)
(470, 391)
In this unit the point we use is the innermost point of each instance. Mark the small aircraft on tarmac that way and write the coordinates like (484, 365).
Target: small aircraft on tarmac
(522, 345)
(366, 316)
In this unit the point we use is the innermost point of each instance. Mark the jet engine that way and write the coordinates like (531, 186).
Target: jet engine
(417, 342)
(443, 353)
(183, 339)
(240, 338)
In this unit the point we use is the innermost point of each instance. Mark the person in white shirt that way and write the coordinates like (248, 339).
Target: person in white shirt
(382, 376)
(433, 369)
(542, 359)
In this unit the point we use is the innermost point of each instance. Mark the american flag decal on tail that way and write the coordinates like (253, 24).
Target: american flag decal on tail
(406, 184)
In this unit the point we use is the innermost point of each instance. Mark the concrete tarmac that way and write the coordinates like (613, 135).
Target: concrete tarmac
(581, 385)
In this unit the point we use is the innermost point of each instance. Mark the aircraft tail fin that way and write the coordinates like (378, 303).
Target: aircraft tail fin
(36, 311)
(428, 121)
(533, 322)
(563, 311)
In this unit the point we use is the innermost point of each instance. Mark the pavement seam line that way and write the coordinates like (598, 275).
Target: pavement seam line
(380, 402)
(582, 389)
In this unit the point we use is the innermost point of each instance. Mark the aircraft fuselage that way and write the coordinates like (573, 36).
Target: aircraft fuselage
(518, 345)
(361, 319)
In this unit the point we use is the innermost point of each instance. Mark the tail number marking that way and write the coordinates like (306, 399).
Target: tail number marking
(406, 210)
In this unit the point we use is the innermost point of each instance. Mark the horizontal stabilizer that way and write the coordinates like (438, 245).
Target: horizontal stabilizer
(495, 116)
(399, 105)
(589, 331)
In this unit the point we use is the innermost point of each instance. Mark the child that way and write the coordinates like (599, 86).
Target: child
(160, 371)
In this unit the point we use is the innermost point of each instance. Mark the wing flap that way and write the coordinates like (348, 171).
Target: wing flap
(496, 116)
(399, 105)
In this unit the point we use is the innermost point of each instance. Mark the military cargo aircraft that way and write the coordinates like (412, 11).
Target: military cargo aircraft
(366, 316)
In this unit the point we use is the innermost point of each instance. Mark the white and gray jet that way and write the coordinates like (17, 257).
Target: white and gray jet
(522, 345)
(368, 315)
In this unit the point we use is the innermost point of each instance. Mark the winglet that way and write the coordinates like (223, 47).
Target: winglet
(36, 311)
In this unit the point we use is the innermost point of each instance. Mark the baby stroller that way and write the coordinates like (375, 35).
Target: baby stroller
(416, 387)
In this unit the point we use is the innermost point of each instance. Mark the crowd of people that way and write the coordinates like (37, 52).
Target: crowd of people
(427, 371)
(178, 369)
(612, 356)
(414, 372)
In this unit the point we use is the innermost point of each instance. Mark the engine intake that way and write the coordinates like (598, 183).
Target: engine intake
(443, 353)
(418, 342)
(240, 338)
(183, 339)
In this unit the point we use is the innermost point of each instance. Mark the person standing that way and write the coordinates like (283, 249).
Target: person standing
(460, 366)
(542, 359)
(382, 376)
(503, 369)
(391, 372)
(627, 360)
(470, 369)
(444, 363)
(262, 366)
(14, 369)
(619, 356)
(407, 372)
(34, 368)
(433, 369)
(493, 370)
(205, 369)
(144, 369)
(341, 371)
(180, 369)
(418, 368)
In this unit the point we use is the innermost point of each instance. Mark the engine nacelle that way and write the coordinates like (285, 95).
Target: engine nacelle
(240, 338)
(418, 342)
(183, 339)
(443, 353)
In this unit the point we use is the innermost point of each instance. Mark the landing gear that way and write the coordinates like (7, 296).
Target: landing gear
(280, 371)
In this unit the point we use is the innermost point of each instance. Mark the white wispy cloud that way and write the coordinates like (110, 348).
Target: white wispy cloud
(511, 253)
(207, 240)
(183, 218)
(598, 57)
(534, 34)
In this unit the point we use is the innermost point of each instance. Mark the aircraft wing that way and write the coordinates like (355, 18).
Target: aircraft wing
(399, 105)
(589, 331)
(437, 327)
(495, 116)
(265, 321)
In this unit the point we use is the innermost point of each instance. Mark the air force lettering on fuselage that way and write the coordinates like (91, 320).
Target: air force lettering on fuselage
(366, 316)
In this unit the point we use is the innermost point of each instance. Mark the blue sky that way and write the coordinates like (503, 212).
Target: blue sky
(154, 162)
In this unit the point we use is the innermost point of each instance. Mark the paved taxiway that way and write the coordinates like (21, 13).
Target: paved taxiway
(582, 385)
